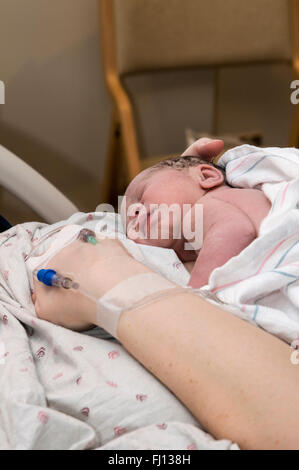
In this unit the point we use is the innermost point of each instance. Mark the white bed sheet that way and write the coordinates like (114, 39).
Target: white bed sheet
(61, 389)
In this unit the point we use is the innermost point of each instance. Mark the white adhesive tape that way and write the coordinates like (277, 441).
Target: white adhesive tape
(130, 294)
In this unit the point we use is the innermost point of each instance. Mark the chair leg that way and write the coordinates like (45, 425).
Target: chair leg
(109, 190)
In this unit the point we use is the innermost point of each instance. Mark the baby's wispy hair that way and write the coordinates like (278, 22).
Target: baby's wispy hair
(187, 161)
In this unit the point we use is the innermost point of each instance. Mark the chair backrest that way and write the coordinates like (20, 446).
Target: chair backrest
(161, 34)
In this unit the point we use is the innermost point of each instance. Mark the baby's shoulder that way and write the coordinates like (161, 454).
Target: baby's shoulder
(227, 203)
(234, 196)
(217, 210)
(218, 200)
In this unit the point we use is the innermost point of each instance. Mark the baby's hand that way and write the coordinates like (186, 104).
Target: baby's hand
(205, 148)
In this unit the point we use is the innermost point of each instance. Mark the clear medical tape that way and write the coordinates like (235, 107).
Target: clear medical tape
(130, 294)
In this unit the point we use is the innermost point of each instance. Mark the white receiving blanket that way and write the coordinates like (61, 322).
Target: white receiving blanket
(261, 283)
(61, 389)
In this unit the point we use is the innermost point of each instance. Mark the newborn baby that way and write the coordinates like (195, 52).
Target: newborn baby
(231, 216)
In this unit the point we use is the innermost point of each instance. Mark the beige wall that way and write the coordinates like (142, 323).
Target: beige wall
(57, 110)
(50, 62)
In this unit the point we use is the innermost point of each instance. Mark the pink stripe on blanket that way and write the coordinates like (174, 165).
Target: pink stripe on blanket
(239, 164)
(284, 194)
(223, 286)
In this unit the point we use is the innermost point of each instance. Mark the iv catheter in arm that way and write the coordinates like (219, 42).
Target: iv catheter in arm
(129, 294)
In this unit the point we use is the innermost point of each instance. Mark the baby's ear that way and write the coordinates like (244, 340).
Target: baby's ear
(207, 176)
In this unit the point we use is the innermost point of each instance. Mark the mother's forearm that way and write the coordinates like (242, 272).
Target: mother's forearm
(235, 378)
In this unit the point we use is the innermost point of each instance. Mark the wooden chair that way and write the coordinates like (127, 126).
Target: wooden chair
(152, 35)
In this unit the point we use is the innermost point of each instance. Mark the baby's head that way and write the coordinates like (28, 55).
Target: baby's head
(170, 183)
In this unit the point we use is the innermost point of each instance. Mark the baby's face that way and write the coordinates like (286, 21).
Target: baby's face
(154, 205)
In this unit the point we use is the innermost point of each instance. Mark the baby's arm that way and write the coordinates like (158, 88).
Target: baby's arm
(226, 237)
